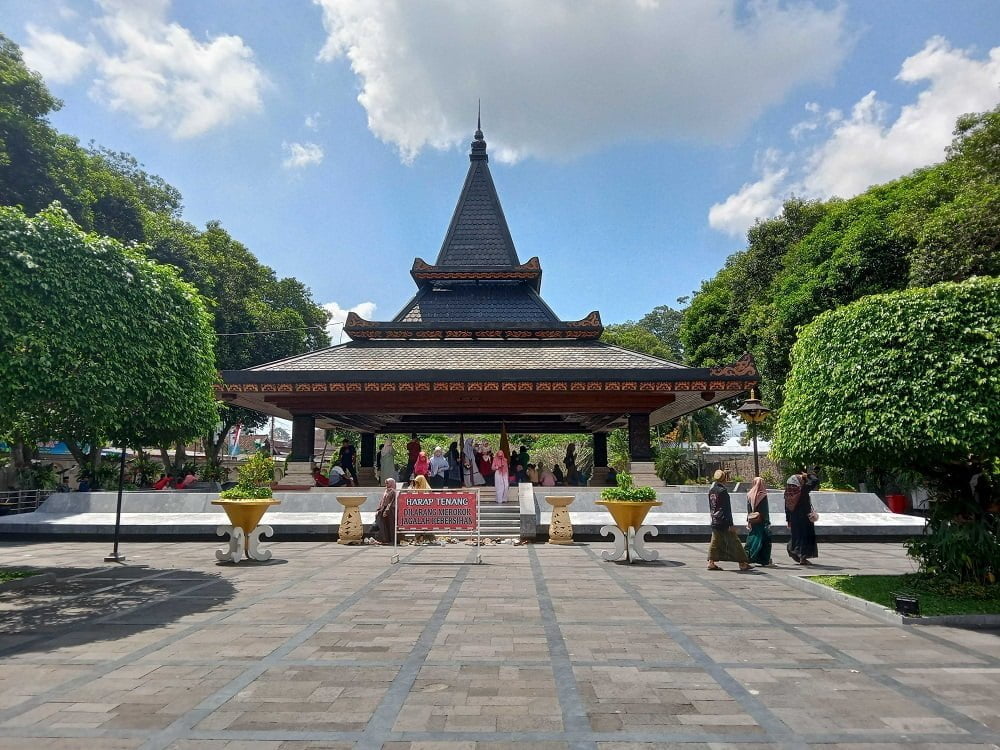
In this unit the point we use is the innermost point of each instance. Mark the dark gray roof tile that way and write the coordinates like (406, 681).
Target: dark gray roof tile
(469, 303)
(478, 234)
(469, 355)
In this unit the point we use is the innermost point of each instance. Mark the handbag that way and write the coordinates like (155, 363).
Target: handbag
(754, 518)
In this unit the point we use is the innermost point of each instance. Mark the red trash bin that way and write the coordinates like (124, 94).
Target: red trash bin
(897, 503)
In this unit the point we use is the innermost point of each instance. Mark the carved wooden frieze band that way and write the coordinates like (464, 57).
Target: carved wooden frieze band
(543, 386)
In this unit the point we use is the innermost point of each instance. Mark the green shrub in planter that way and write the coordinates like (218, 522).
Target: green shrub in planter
(627, 492)
(256, 476)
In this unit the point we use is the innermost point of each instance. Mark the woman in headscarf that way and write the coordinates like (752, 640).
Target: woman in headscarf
(454, 475)
(387, 460)
(800, 519)
(471, 476)
(501, 479)
(569, 461)
(385, 516)
(420, 483)
(438, 468)
(422, 467)
(484, 457)
(758, 545)
(725, 544)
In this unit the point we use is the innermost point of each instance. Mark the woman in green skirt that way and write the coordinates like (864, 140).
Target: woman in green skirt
(758, 544)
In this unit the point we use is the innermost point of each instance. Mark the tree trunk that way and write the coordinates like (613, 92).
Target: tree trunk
(19, 455)
(214, 443)
(180, 457)
(88, 461)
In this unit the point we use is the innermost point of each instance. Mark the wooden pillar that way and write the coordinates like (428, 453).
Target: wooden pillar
(367, 450)
(366, 468)
(600, 448)
(298, 468)
(638, 438)
(303, 437)
(640, 453)
(599, 473)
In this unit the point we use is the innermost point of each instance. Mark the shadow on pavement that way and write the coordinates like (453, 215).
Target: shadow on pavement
(85, 605)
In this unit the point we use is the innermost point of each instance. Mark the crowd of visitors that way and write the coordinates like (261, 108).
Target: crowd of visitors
(475, 464)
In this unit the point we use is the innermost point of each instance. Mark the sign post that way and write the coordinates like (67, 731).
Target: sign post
(437, 510)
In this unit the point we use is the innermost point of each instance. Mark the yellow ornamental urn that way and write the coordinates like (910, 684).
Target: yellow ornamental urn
(628, 506)
(351, 529)
(246, 514)
(560, 527)
(628, 515)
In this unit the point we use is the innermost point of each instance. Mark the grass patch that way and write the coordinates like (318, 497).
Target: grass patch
(13, 575)
(937, 597)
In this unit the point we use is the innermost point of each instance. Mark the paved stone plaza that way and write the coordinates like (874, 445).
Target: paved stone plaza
(540, 647)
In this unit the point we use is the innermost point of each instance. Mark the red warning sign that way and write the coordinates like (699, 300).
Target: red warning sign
(437, 510)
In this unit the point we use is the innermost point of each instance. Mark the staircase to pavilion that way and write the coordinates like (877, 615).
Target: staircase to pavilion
(498, 520)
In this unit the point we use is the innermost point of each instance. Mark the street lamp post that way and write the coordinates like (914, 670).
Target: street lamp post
(753, 413)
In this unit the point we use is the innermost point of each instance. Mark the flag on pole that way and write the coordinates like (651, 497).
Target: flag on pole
(234, 445)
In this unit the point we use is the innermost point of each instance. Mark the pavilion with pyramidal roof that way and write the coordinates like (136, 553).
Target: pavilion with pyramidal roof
(477, 347)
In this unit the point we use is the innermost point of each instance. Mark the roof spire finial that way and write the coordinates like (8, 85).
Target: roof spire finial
(478, 143)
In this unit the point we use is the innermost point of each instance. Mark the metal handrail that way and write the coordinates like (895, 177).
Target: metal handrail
(22, 501)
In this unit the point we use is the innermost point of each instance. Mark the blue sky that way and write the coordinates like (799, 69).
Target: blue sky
(632, 142)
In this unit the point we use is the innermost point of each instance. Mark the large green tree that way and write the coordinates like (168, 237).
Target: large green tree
(110, 193)
(941, 223)
(656, 333)
(97, 343)
(908, 380)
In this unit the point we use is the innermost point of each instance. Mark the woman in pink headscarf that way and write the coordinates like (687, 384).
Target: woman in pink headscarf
(422, 467)
(500, 475)
(758, 544)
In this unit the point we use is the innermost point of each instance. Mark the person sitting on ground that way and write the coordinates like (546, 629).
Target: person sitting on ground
(545, 477)
(557, 473)
(162, 482)
(188, 480)
(438, 468)
(420, 483)
(338, 477)
(84, 485)
(532, 473)
(321, 481)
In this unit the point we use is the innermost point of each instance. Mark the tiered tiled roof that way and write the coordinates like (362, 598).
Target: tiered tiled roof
(477, 287)
(477, 346)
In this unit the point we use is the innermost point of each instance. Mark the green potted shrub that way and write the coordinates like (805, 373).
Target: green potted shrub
(246, 503)
(628, 504)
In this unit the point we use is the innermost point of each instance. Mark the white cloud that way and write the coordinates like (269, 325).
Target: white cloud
(868, 147)
(338, 315)
(301, 155)
(57, 58)
(157, 72)
(312, 121)
(735, 214)
(562, 78)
